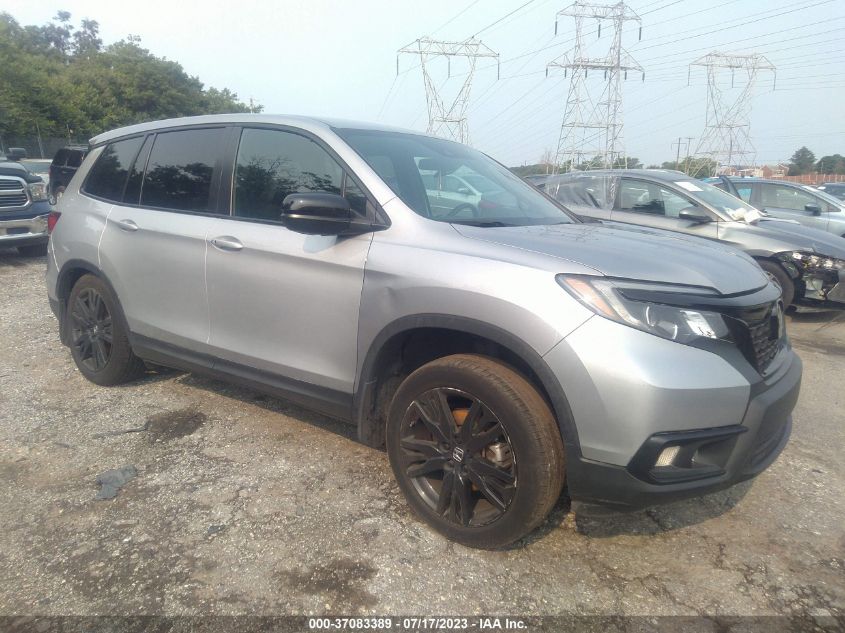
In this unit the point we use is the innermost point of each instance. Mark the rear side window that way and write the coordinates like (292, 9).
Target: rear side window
(74, 158)
(272, 164)
(60, 158)
(108, 175)
(180, 169)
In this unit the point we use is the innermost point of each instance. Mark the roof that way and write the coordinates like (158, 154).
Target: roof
(668, 175)
(312, 124)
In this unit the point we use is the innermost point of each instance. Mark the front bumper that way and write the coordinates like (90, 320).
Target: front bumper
(22, 228)
(767, 426)
(819, 288)
(631, 393)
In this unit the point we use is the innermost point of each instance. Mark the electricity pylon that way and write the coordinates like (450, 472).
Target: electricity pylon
(448, 122)
(591, 131)
(727, 130)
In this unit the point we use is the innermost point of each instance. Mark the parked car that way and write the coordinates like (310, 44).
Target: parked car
(455, 195)
(65, 163)
(24, 210)
(806, 205)
(835, 189)
(496, 356)
(808, 264)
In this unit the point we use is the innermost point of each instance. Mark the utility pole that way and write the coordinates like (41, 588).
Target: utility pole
(447, 119)
(592, 122)
(687, 158)
(679, 142)
(727, 130)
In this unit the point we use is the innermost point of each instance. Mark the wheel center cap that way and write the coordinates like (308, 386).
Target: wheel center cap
(458, 455)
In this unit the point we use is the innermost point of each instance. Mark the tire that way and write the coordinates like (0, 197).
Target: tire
(98, 334)
(779, 274)
(489, 471)
(33, 250)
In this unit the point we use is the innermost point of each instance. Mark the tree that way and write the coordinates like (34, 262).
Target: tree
(57, 77)
(834, 164)
(803, 161)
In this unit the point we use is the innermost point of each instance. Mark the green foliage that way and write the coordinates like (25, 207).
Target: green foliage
(62, 78)
(803, 161)
(834, 164)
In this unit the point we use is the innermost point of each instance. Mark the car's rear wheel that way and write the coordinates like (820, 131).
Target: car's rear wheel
(98, 335)
(475, 449)
(33, 250)
(776, 272)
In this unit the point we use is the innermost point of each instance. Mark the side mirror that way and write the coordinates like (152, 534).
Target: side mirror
(692, 214)
(813, 208)
(316, 213)
(464, 191)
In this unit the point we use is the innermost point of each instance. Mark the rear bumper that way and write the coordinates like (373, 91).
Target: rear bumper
(743, 451)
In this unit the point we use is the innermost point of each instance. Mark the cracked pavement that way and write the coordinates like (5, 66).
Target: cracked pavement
(244, 504)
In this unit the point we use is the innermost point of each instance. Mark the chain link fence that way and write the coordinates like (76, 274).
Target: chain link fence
(38, 146)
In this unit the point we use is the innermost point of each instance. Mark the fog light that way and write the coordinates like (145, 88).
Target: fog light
(667, 456)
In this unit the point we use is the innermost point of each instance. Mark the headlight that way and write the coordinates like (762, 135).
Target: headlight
(812, 261)
(606, 297)
(38, 191)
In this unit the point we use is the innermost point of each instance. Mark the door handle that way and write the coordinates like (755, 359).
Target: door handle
(227, 243)
(127, 225)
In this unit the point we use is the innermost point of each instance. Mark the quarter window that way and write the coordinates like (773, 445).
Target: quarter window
(273, 164)
(108, 175)
(180, 168)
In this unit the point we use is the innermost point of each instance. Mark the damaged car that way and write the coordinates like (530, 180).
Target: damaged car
(807, 263)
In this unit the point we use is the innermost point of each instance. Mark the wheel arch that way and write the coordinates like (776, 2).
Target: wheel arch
(71, 271)
(411, 341)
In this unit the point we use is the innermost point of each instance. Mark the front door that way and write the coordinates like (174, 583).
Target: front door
(792, 203)
(283, 303)
(647, 203)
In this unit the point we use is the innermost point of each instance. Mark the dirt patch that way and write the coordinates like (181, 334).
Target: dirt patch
(172, 425)
(340, 582)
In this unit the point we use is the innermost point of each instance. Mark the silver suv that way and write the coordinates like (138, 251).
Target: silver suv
(497, 356)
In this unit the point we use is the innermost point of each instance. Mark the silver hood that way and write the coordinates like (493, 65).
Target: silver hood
(632, 252)
(777, 236)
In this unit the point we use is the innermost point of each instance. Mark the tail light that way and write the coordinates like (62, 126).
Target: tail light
(487, 205)
(52, 220)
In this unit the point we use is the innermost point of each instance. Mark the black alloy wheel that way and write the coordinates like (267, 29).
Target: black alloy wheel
(91, 329)
(458, 456)
(475, 449)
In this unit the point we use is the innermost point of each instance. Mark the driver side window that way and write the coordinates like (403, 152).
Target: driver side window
(638, 196)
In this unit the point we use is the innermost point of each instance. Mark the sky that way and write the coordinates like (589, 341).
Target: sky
(339, 59)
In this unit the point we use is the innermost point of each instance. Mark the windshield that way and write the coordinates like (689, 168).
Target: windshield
(723, 202)
(427, 174)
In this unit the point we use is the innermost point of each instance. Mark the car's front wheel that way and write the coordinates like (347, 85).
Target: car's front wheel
(778, 274)
(98, 335)
(475, 449)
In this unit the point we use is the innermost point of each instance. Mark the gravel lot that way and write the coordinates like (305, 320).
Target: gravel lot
(242, 504)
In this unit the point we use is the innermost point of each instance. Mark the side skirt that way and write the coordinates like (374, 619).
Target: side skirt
(329, 402)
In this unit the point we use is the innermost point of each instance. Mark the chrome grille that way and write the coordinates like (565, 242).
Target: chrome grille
(12, 193)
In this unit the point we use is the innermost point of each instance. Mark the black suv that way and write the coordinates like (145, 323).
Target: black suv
(65, 163)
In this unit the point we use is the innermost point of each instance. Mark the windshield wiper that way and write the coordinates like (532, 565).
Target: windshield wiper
(482, 223)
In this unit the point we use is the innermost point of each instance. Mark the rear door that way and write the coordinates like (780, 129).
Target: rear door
(790, 203)
(283, 305)
(648, 203)
(153, 247)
